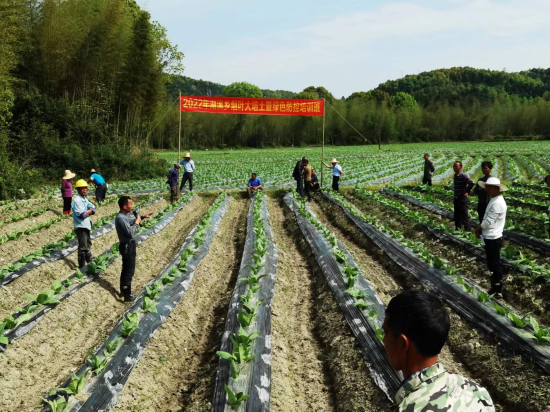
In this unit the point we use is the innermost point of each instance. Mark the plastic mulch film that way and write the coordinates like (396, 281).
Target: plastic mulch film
(102, 391)
(76, 283)
(374, 353)
(255, 377)
(482, 315)
(63, 252)
(518, 237)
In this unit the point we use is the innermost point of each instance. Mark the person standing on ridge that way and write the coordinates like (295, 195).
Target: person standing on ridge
(67, 191)
(491, 230)
(173, 176)
(82, 210)
(100, 186)
(336, 173)
(307, 174)
(462, 187)
(482, 198)
(416, 328)
(127, 224)
(429, 170)
(297, 175)
(188, 170)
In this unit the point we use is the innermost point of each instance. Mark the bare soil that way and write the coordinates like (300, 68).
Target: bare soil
(178, 369)
(58, 345)
(28, 222)
(39, 279)
(515, 384)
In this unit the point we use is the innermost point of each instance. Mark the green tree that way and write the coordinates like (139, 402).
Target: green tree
(242, 89)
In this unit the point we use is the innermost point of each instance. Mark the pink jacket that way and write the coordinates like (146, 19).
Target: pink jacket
(66, 188)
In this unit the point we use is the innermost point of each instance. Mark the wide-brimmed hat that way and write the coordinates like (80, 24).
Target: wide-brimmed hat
(93, 171)
(187, 155)
(493, 181)
(68, 175)
(334, 160)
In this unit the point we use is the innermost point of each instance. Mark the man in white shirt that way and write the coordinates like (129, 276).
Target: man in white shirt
(491, 229)
(336, 173)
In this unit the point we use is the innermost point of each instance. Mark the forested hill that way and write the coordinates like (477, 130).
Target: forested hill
(193, 87)
(463, 84)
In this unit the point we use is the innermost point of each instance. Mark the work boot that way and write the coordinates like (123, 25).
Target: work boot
(498, 291)
(129, 298)
(126, 293)
(81, 259)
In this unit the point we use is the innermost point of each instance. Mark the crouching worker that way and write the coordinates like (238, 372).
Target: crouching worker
(82, 210)
(127, 224)
(254, 184)
(415, 329)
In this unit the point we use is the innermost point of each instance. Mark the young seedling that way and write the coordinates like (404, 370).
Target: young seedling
(501, 310)
(379, 334)
(484, 297)
(96, 364)
(76, 385)
(130, 324)
(540, 335)
(518, 321)
(246, 317)
(57, 286)
(153, 291)
(57, 405)
(356, 293)
(439, 263)
(148, 305)
(361, 304)
(3, 340)
(167, 279)
(79, 276)
(44, 298)
(235, 400)
(339, 255)
(451, 270)
(111, 347)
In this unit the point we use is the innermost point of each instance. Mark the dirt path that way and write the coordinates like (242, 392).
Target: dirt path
(178, 369)
(33, 282)
(299, 381)
(16, 249)
(58, 345)
(515, 384)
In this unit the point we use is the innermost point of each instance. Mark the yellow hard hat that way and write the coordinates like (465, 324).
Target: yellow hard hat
(81, 183)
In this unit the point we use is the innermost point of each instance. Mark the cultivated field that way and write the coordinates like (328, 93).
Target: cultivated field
(272, 302)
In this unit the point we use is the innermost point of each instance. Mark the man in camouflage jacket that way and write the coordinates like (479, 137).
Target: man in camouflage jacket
(416, 327)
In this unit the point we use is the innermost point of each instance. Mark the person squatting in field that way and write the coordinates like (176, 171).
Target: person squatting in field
(429, 170)
(336, 173)
(173, 176)
(188, 170)
(254, 184)
(491, 229)
(462, 187)
(416, 328)
(82, 210)
(127, 222)
(314, 181)
(482, 198)
(100, 186)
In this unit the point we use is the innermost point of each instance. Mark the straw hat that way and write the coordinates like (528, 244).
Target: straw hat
(93, 171)
(68, 175)
(493, 181)
(334, 160)
(187, 155)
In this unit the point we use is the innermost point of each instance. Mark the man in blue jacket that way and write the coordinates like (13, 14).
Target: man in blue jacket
(82, 210)
(173, 176)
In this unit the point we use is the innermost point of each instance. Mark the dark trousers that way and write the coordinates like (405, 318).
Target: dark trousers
(100, 192)
(427, 180)
(307, 187)
(84, 247)
(335, 181)
(128, 253)
(492, 249)
(67, 205)
(300, 187)
(187, 176)
(173, 193)
(462, 220)
(481, 213)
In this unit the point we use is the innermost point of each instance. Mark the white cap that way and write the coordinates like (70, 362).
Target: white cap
(493, 181)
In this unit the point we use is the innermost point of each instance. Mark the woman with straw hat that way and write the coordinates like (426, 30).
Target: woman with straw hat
(336, 173)
(67, 191)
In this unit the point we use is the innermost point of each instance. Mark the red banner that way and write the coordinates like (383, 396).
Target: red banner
(243, 105)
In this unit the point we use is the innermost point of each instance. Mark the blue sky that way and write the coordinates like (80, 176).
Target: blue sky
(351, 45)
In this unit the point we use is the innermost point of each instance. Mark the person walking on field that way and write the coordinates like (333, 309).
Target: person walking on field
(127, 224)
(67, 191)
(462, 187)
(188, 170)
(491, 229)
(297, 175)
(482, 198)
(254, 184)
(307, 175)
(429, 170)
(416, 328)
(82, 209)
(100, 186)
(173, 176)
(336, 173)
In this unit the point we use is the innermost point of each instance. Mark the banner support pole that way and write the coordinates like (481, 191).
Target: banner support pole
(179, 147)
(323, 145)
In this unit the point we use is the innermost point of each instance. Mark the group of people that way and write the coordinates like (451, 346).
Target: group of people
(306, 177)
(173, 176)
(67, 188)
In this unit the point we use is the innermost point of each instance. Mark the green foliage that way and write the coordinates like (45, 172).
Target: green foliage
(57, 405)
(235, 400)
(242, 89)
(130, 324)
(96, 363)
